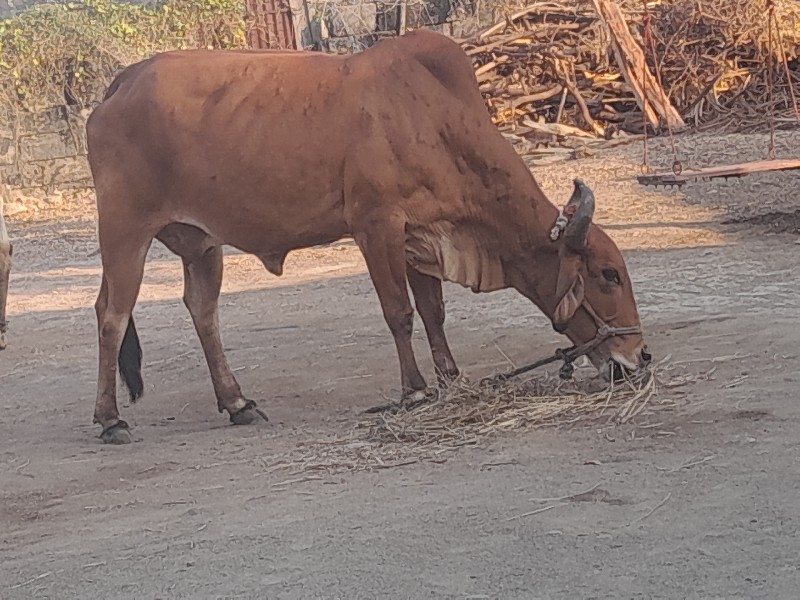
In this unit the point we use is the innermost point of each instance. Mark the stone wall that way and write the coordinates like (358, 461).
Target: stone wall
(9, 8)
(44, 152)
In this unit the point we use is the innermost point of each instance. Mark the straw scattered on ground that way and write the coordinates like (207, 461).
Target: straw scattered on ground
(465, 414)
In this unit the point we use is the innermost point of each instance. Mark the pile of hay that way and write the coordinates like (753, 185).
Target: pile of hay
(466, 413)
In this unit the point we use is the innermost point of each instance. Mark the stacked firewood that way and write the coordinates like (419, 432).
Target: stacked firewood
(591, 68)
(715, 59)
(549, 64)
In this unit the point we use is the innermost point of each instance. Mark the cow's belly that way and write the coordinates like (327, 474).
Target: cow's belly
(266, 232)
(263, 214)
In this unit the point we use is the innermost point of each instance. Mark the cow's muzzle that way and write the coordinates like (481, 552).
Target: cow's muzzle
(621, 368)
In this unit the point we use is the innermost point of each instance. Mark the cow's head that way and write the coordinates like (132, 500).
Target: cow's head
(591, 271)
(586, 284)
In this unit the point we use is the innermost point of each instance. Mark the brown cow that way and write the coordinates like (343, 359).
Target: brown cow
(6, 249)
(270, 152)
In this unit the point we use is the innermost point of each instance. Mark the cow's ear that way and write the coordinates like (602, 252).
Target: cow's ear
(569, 291)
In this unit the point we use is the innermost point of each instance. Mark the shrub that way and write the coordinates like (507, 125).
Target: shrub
(53, 54)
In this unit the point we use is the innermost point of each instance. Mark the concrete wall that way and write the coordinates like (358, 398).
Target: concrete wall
(9, 8)
(43, 152)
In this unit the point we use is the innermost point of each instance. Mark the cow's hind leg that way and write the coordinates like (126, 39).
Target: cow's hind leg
(123, 268)
(383, 247)
(202, 269)
(430, 305)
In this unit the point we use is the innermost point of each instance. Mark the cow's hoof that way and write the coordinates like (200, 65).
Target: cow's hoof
(417, 396)
(408, 401)
(248, 415)
(117, 434)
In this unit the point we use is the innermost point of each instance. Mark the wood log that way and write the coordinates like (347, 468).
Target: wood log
(546, 31)
(556, 129)
(484, 73)
(650, 97)
(539, 7)
(538, 97)
(587, 117)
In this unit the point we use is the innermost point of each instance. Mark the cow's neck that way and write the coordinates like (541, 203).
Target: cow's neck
(511, 201)
(530, 263)
(504, 234)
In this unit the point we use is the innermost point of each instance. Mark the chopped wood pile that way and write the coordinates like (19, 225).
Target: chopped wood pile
(576, 68)
(715, 56)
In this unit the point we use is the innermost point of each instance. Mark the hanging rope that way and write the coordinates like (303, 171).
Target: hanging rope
(650, 46)
(785, 61)
(771, 80)
(645, 102)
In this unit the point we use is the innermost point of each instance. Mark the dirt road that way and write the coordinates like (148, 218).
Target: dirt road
(696, 502)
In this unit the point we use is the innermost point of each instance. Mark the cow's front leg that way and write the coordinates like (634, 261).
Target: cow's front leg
(430, 306)
(383, 247)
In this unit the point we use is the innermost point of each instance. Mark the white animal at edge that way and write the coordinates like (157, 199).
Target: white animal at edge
(5, 272)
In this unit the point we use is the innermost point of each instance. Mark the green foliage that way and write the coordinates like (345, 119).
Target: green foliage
(53, 54)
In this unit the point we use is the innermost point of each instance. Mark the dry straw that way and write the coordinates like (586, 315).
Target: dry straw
(465, 414)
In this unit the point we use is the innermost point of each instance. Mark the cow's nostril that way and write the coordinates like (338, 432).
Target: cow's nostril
(646, 356)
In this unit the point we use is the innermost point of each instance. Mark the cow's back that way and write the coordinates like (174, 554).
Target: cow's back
(256, 144)
(446, 61)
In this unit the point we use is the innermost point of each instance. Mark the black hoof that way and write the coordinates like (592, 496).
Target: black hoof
(247, 415)
(117, 434)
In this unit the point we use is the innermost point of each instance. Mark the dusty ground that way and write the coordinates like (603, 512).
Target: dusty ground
(697, 502)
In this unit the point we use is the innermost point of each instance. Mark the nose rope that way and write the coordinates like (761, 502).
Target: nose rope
(569, 355)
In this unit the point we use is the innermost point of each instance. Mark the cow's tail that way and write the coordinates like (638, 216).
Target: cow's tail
(130, 362)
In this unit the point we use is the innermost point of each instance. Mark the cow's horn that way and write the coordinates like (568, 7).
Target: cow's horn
(580, 210)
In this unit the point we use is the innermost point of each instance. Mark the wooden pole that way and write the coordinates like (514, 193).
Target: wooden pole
(650, 96)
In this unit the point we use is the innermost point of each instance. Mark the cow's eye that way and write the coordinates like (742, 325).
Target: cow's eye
(611, 275)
